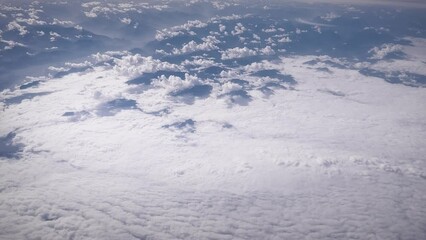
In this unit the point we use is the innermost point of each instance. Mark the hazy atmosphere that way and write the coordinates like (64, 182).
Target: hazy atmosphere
(213, 119)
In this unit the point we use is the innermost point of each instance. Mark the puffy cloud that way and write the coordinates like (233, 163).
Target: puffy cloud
(126, 20)
(269, 30)
(90, 14)
(384, 50)
(238, 29)
(79, 65)
(107, 56)
(16, 26)
(136, 65)
(267, 51)
(61, 22)
(238, 53)
(54, 36)
(208, 44)
(178, 30)
(229, 87)
(202, 62)
(285, 40)
(31, 21)
(330, 16)
(174, 84)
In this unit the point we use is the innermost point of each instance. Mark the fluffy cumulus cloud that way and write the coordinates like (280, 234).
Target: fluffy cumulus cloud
(126, 20)
(178, 30)
(208, 44)
(135, 65)
(238, 29)
(384, 50)
(238, 53)
(174, 84)
(16, 26)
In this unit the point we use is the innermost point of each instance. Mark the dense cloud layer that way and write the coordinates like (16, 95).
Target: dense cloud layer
(224, 121)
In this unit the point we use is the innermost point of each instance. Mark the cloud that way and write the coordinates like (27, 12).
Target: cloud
(330, 16)
(238, 29)
(11, 44)
(174, 84)
(384, 50)
(238, 53)
(178, 30)
(135, 65)
(16, 26)
(62, 22)
(256, 157)
(126, 20)
(208, 44)
(285, 40)
(303, 21)
(267, 51)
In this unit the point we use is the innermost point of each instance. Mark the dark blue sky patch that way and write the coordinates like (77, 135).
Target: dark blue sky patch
(397, 77)
(29, 85)
(71, 70)
(8, 149)
(200, 91)
(77, 116)
(240, 82)
(114, 106)
(187, 125)
(25, 96)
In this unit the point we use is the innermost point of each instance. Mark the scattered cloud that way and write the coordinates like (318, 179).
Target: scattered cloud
(384, 50)
(238, 53)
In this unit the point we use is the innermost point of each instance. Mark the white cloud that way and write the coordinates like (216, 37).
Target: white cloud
(136, 65)
(178, 30)
(31, 21)
(109, 55)
(285, 40)
(54, 36)
(16, 26)
(238, 53)
(267, 51)
(330, 16)
(90, 14)
(58, 69)
(174, 84)
(11, 44)
(270, 30)
(208, 44)
(78, 65)
(300, 20)
(229, 87)
(62, 22)
(238, 29)
(384, 50)
(90, 4)
(126, 20)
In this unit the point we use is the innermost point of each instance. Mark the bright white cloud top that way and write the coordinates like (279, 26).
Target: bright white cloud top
(236, 124)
